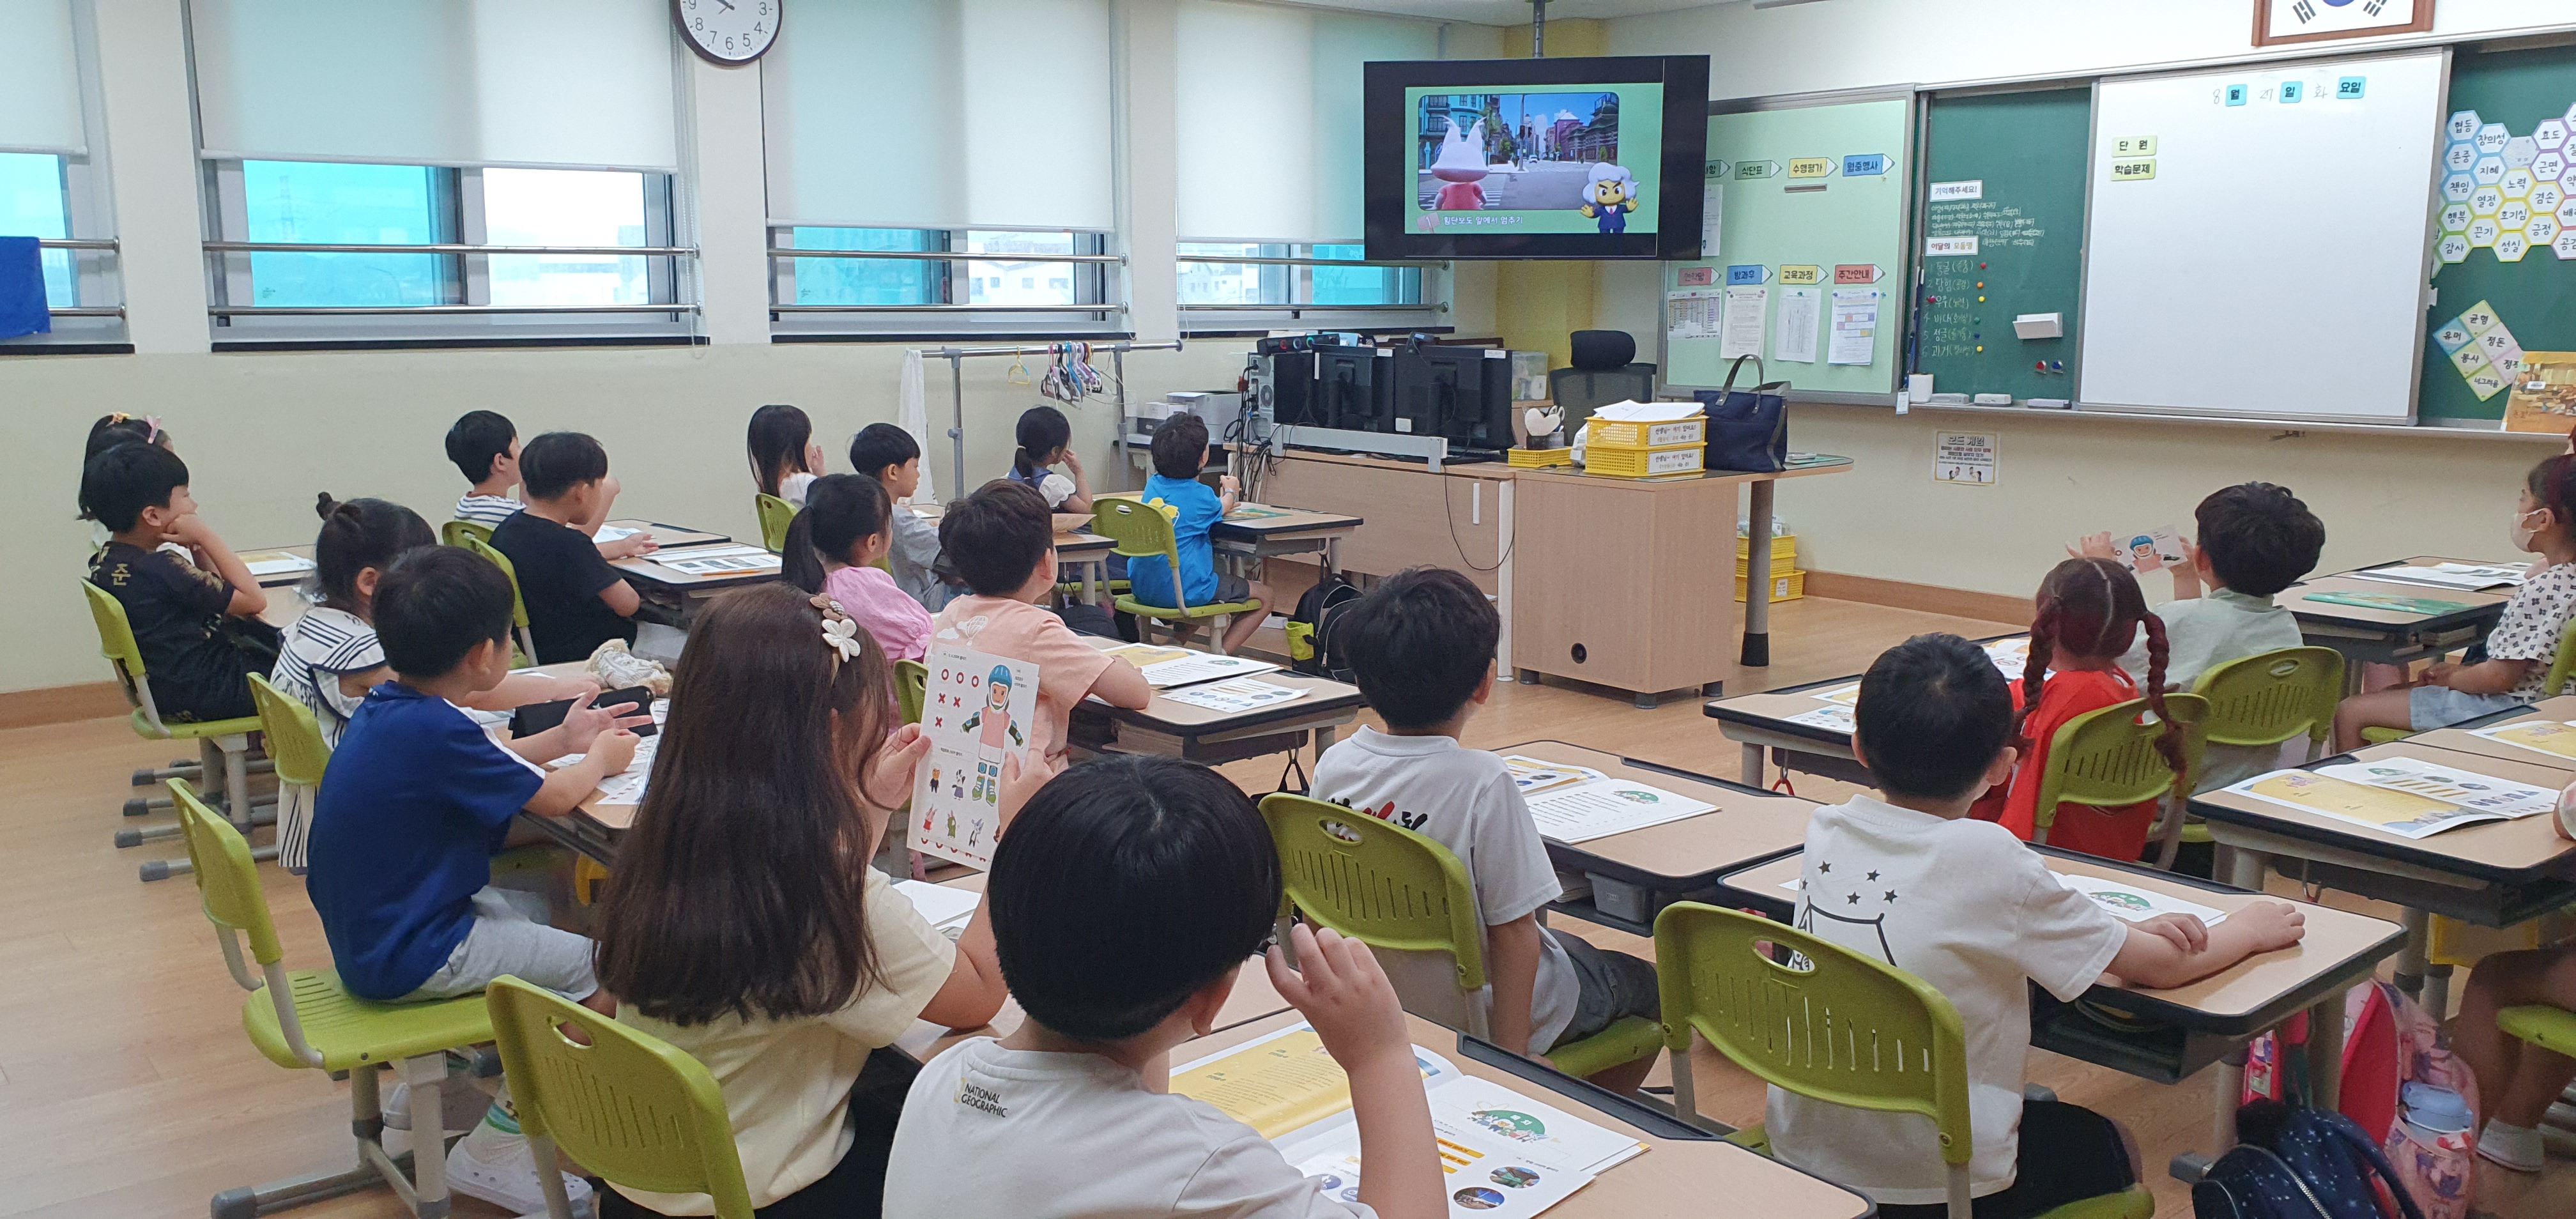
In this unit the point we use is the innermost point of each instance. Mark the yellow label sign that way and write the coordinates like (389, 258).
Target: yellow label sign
(1802, 275)
(2134, 146)
(1811, 167)
(2139, 170)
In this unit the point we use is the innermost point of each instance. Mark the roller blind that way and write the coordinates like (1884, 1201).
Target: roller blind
(40, 108)
(941, 114)
(437, 82)
(1269, 125)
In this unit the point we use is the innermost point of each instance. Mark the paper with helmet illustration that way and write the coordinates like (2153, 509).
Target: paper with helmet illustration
(976, 711)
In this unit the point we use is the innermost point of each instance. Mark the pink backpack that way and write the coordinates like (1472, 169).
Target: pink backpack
(2400, 1084)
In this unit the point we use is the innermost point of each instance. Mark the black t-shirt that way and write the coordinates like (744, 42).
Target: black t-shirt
(560, 578)
(177, 613)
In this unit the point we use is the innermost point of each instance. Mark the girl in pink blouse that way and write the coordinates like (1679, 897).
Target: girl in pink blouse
(837, 547)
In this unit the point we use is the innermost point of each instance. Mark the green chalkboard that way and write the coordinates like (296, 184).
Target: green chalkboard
(2527, 93)
(2021, 156)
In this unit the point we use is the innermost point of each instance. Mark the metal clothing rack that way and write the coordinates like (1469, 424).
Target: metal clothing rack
(957, 357)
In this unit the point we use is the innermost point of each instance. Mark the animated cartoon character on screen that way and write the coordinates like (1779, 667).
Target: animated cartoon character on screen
(995, 720)
(1461, 165)
(1610, 194)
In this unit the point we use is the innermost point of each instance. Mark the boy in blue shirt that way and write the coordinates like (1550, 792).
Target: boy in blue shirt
(419, 798)
(1180, 449)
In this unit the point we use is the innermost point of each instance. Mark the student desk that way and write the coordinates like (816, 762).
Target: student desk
(1212, 738)
(2174, 1033)
(1247, 537)
(1762, 721)
(283, 578)
(1684, 1170)
(2494, 874)
(1076, 548)
(2392, 637)
(1636, 874)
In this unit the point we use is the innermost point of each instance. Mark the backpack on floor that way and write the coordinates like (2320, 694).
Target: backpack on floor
(2312, 1165)
(1310, 628)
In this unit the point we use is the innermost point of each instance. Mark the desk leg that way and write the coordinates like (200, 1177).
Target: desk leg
(2325, 1052)
(2410, 959)
(1753, 766)
(1333, 555)
(2437, 991)
(2240, 867)
(2229, 1081)
(1757, 576)
(1091, 582)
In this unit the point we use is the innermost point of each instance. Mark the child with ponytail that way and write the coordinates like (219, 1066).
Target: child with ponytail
(834, 548)
(784, 458)
(2087, 611)
(2524, 641)
(1046, 441)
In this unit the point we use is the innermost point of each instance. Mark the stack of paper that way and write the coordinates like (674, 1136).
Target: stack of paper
(276, 563)
(724, 560)
(1503, 1155)
(1166, 667)
(1237, 696)
(2464, 577)
(1647, 412)
(1578, 804)
(947, 910)
(613, 533)
(2408, 797)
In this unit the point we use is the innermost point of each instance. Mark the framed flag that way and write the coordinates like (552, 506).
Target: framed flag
(2279, 22)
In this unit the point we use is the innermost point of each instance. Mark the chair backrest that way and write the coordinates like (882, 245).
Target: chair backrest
(227, 877)
(627, 1106)
(1826, 1023)
(116, 643)
(2271, 697)
(295, 745)
(1140, 531)
(483, 547)
(1377, 882)
(453, 533)
(911, 685)
(775, 515)
(2107, 758)
(2563, 665)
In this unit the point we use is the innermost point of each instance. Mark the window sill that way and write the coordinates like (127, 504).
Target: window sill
(459, 343)
(957, 336)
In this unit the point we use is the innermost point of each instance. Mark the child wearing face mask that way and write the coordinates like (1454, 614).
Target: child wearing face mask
(2525, 638)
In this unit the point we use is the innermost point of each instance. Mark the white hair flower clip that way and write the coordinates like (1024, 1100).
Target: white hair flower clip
(842, 636)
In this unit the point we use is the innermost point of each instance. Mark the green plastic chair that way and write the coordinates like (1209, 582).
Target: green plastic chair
(305, 1020)
(295, 746)
(627, 1106)
(1142, 531)
(1397, 891)
(2265, 700)
(775, 515)
(911, 686)
(223, 746)
(1830, 1025)
(2107, 759)
(454, 533)
(518, 604)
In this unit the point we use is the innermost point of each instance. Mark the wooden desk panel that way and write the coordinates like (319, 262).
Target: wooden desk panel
(1416, 517)
(1623, 573)
(2511, 851)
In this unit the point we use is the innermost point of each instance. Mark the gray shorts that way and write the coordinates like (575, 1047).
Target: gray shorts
(1231, 587)
(510, 936)
(1609, 985)
(2431, 707)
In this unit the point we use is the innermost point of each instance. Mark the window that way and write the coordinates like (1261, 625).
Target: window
(34, 202)
(310, 203)
(572, 209)
(46, 181)
(1295, 280)
(889, 270)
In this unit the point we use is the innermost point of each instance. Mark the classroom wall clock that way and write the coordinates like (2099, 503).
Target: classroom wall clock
(733, 32)
(2277, 22)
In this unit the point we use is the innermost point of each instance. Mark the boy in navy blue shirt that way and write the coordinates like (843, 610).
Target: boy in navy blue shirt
(1180, 449)
(419, 798)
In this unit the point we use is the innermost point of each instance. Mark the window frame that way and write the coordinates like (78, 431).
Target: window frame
(95, 322)
(1099, 287)
(465, 316)
(1298, 262)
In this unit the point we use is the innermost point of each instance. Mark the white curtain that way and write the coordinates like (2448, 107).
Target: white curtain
(40, 108)
(1269, 131)
(438, 82)
(941, 114)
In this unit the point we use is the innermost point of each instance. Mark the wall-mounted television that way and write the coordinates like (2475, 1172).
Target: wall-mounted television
(1535, 158)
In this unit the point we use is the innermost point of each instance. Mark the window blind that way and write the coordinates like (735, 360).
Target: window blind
(1269, 129)
(437, 82)
(40, 105)
(941, 114)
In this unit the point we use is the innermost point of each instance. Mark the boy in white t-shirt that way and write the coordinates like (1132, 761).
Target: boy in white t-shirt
(1906, 877)
(1123, 901)
(1421, 648)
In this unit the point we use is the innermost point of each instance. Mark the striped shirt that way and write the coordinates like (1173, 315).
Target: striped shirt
(487, 510)
(325, 645)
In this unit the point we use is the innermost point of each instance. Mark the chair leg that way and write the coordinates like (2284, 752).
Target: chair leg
(237, 783)
(427, 1074)
(366, 1122)
(1961, 1205)
(541, 1148)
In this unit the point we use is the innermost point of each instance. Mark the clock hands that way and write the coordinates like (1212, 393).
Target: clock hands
(728, 7)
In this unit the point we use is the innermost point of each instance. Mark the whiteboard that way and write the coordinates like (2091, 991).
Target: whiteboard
(2258, 238)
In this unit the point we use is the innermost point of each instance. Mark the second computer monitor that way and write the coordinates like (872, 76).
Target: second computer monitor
(1462, 393)
(1353, 388)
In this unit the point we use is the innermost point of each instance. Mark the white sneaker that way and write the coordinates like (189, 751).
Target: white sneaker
(2514, 1147)
(496, 1168)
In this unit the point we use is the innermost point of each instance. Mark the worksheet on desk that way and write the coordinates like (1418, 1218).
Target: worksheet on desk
(1602, 807)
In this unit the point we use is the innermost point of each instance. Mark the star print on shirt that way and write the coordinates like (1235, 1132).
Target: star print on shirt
(1824, 867)
(1853, 899)
(1891, 895)
(1873, 876)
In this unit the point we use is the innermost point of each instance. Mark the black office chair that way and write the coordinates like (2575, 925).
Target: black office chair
(1604, 372)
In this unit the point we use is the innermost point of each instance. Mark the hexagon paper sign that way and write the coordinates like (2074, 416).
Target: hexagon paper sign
(2520, 150)
(2492, 138)
(2516, 183)
(2514, 214)
(2510, 247)
(2488, 171)
(2459, 157)
(2455, 218)
(2455, 248)
(2546, 197)
(2567, 214)
(2550, 134)
(2486, 201)
(2542, 230)
(2571, 118)
(2458, 187)
(2463, 125)
(2483, 231)
(2547, 166)
(2565, 246)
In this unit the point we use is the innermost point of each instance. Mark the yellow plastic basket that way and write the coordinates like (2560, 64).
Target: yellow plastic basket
(1602, 432)
(1783, 588)
(1645, 463)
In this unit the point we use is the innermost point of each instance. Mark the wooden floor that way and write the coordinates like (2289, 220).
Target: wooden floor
(127, 1087)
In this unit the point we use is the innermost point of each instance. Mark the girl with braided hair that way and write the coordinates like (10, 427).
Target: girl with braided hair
(2087, 613)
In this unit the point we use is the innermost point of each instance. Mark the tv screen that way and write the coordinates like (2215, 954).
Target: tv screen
(1536, 158)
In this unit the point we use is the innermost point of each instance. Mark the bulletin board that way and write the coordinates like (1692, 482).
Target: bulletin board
(2523, 105)
(1809, 200)
(2003, 237)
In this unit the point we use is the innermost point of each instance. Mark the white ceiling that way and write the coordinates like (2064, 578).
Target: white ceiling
(1509, 12)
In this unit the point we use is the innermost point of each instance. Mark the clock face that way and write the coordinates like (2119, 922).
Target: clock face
(729, 31)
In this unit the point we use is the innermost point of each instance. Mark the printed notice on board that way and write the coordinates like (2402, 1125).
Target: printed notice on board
(1855, 338)
(1964, 457)
(1943, 192)
(1799, 312)
(1712, 215)
(1748, 310)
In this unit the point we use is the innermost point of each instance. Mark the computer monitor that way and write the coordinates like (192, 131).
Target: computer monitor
(1462, 393)
(1352, 388)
